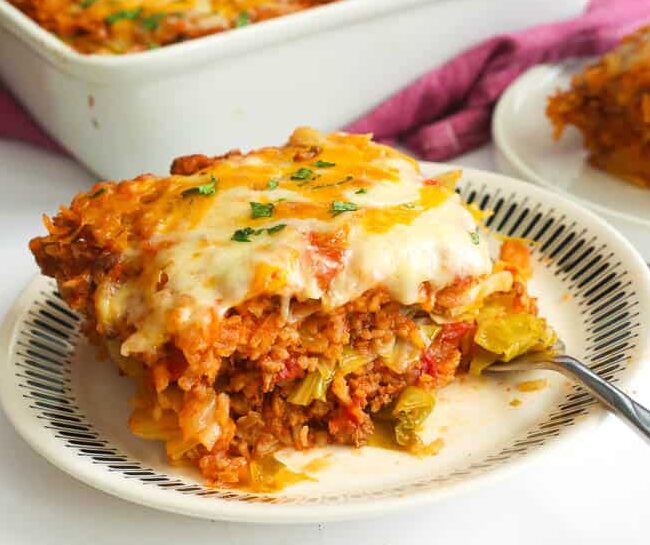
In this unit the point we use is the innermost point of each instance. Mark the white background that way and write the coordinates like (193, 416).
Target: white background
(593, 489)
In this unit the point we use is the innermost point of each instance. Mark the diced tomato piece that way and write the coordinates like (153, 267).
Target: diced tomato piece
(291, 370)
(453, 333)
(516, 254)
(345, 422)
(444, 346)
(326, 253)
(355, 412)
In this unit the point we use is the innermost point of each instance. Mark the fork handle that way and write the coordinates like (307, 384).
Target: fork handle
(634, 414)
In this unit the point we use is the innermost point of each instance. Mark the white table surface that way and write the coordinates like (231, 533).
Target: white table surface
(594, 489)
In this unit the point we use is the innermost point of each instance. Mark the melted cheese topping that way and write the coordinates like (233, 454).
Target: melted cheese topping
(332, 217)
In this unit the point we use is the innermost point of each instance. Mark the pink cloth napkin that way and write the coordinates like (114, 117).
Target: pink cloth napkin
(16, 123)
(447, 111)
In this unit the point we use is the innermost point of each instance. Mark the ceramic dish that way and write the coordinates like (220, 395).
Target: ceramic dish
(525, 148)
(592, 286)
(124, 115)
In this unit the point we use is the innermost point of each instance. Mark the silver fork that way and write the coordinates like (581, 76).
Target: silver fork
(620, 404)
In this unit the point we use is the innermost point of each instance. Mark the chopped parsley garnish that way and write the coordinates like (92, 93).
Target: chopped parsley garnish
(340, 182)
(272, 183)
(276, 228)
(87, 3)
(324, 164)
(99, 192)
(151, 23)
(260, 210)
(205, 189)
(361, 191)
(123, 14)
(243, 19)
(153, 45)
(245, 234)
(338, 207)
(302, 174)
(474, 237)
(409, 205)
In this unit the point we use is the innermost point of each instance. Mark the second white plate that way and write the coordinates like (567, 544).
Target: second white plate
(525, 148)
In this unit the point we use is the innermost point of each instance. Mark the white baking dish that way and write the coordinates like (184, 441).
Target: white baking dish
(128, 114)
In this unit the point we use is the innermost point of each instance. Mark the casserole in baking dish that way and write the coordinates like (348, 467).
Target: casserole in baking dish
(128, 26)
(125, 114)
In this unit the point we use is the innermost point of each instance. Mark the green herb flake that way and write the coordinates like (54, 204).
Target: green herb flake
(99, 192)
(361, 191)
(409, 205)
(276, 228)
(123, 14)
(205, 189)
(302, 174)
(260, 210)
(243, 235)
(153, 45)
(152, 22)
(243, 19)
(87, 3)
(340, 182)
(324, 164)
(272, 184)
(338, 207)
(475, 237)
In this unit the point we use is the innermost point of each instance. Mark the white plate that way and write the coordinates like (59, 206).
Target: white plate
(525, 148)
(593, 287)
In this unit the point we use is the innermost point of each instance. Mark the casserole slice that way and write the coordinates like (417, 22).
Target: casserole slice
(609, 103)
(295, 296)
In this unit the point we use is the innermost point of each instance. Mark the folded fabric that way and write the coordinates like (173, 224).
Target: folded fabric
(447, 111)
(16, 123)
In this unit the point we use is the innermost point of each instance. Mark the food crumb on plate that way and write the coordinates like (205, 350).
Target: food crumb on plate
(515, 402)
(532, 385)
